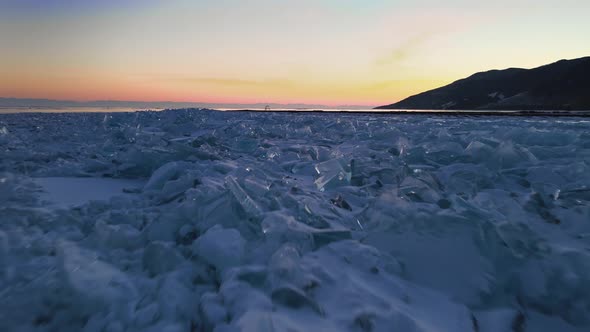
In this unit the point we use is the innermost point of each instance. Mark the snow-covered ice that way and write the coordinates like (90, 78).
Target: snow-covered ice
(69, 192)
(195, 220)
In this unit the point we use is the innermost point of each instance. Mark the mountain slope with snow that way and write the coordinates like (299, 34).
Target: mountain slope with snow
(563, 85)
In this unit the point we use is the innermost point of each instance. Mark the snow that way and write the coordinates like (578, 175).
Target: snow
(495, 95)
(234, 221)
(449, 104)
(221, 248)
(70, 191)
(93, 283)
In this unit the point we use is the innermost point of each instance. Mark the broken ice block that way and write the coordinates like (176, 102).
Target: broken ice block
(159, 258)
(95, 283)
(245, 201)
(324, 237)
(220, 247)
(509, 155)
(333, 173)
(479, 151)
(418, 191)
(292, 297)
(163, 174)
(122, 236)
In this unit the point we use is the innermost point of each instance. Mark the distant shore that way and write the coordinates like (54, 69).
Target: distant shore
(524, 113)
(429, 112)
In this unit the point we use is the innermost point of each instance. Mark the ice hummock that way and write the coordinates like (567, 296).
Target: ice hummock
(198, 220)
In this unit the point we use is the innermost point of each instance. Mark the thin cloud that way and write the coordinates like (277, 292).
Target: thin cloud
(405, 50)
(231, 82)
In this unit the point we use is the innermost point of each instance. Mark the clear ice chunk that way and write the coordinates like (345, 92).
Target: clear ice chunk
(246, 202)
(96, 284)
(418, 191)
(220, 247)
(333, 173)
(163, 175)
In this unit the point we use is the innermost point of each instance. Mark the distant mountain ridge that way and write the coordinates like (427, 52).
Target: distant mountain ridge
(50, 103)
(563, 85)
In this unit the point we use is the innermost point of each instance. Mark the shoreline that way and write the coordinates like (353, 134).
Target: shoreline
(556, 113)
(430, 112)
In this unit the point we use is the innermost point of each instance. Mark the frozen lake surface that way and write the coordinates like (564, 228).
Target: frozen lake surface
(70, 192)
(194, 220)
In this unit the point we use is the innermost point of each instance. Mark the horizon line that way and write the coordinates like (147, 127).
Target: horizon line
(26, 102)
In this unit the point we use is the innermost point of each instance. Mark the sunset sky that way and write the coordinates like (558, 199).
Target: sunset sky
(335, 52)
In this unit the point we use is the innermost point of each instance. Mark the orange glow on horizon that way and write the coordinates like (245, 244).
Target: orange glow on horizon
(100, 87)
(301, 52)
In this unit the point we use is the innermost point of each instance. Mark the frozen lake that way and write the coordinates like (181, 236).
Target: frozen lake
(238, 221)
(13, 110)
(70, 191)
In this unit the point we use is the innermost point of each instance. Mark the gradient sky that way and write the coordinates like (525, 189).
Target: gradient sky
(361, 52)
